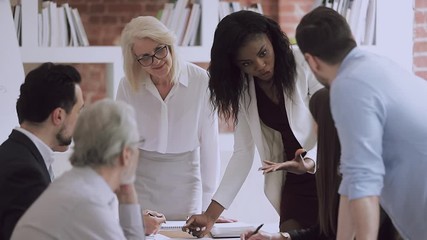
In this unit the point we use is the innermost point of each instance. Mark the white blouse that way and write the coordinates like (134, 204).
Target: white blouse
(182, 122)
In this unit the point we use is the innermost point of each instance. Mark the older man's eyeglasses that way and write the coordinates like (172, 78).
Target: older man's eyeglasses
(147, 60)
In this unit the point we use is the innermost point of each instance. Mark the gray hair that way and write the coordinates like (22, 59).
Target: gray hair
(102, 131)
(146, 27)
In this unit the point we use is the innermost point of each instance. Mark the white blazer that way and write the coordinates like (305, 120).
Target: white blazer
(250, 132)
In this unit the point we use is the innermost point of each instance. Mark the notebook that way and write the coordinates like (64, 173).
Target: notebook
(172, 225)
(230, 230)
(173, 229)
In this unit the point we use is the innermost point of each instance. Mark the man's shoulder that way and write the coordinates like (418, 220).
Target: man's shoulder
(13, 153)
(19, 166)
(16, 142)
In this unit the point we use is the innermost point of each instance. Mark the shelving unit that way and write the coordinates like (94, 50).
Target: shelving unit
(208, 24)
(109, 55)
(394, 37)
(392, 40)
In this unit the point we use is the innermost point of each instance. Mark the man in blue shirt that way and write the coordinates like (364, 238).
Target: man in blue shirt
(380, 112)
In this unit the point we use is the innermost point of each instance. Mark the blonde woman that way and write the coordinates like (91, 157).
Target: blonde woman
(179, 166)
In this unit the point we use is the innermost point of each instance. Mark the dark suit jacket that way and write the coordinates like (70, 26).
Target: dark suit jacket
(23, 177)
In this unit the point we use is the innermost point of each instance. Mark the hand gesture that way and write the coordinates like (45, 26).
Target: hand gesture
(199, 225)
(152, 221)
(298, 165)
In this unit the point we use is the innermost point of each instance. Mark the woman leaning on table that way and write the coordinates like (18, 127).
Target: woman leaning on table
(264, 86)
(178, 169)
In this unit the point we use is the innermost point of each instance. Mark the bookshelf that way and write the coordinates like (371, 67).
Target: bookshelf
(393, 39)
(11, 69)
(393, 27)
(31, 52)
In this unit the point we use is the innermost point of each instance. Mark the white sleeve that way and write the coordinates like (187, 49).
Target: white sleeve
(209, 153)
(239, 165)
(131, 221)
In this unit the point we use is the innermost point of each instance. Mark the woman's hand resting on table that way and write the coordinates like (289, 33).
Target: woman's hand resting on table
(199, 225)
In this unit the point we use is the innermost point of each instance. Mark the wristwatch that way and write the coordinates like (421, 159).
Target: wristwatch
(285, 235)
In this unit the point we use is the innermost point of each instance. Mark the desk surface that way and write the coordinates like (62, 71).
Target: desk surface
(177, 234)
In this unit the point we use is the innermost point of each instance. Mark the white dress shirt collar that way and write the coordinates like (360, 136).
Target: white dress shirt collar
(43, 148)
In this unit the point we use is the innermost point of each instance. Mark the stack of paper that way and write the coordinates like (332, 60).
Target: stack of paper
(230, 230)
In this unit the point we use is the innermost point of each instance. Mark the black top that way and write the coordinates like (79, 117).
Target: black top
(274, 116)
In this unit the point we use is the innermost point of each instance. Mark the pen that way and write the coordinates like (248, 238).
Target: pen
(257, 229)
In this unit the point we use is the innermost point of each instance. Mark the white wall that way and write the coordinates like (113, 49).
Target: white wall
(250, 205)
(11, 69)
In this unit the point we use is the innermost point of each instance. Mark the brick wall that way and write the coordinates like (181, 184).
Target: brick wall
(291, 12)
(420, 38)
(104, 20)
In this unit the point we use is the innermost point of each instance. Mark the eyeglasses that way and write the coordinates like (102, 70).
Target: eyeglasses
(147, 60)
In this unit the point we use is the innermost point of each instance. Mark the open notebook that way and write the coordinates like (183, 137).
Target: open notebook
(219, 230)
(172, 225)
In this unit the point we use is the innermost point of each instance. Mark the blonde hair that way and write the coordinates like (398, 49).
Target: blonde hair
(146, 27)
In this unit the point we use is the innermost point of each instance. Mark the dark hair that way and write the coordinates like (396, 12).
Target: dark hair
(45, 88)
(328, 157)
(324, 33)
(227, 82)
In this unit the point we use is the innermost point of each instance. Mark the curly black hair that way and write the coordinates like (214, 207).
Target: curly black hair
(227, 82)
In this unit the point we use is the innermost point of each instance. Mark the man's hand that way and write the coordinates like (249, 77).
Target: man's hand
(152, 221)
(126, 194)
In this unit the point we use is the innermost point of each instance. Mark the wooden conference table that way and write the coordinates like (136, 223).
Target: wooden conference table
(177, 234)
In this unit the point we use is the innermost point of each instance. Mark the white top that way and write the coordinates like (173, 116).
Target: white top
(383, 137)
(44, 149)
(79, 205)
(251, 132)
(182, 122)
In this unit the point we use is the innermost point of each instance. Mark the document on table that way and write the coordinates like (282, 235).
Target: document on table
(172, 225)
(230, 230)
